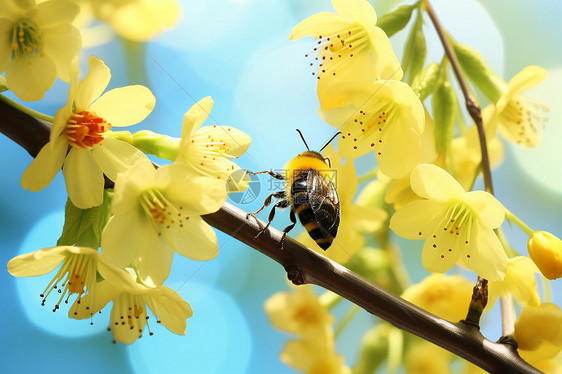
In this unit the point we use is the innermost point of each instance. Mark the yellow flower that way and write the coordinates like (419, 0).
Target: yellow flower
(156, 212)
(467, 155)
(399, 192)
(83, 124)
(519, 281)
(77, 275)
(355, 219)
(427, 358)
(457, 225)
(314, 356)
(443, 295)
(298, 311)
(129, 311)
(350, 48)
(138, 20)
(386, 117)
(517, 117)
(208, 150)
(38, 44)
(538, 332)
(545, 250)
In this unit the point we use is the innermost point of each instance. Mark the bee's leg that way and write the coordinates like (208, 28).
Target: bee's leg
(281, 204)
(277, 195)
(272, 173)
(293, 219)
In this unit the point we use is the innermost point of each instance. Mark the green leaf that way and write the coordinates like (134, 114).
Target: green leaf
(84, 226)
(396, 20)
(479, 73)
(426, 82)
(415, 51)
(444, 103)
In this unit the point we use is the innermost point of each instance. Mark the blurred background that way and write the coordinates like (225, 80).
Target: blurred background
(238, 52)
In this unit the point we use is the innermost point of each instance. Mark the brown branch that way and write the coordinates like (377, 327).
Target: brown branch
(471, 103)
(303, 265)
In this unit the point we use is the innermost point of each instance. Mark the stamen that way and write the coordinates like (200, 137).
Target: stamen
(27, 39)
(85, 129)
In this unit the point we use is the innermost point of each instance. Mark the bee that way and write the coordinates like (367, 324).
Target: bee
(310, 194)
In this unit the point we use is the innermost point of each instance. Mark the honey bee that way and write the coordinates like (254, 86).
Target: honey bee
(310, 194)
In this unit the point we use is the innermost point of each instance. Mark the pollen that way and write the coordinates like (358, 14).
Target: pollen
(85, 129)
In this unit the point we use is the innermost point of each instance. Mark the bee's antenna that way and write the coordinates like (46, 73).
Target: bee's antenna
(302, 137)
(329, 141)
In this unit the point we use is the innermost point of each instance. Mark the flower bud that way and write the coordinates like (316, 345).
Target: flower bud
(545, 250)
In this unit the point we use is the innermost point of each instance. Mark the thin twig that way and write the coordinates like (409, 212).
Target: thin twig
(476, 114)
(471, 103)
(303, 265)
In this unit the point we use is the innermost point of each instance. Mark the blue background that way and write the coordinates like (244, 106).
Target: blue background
(238, 52)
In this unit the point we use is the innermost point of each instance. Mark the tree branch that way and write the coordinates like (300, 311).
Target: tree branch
(303, 265)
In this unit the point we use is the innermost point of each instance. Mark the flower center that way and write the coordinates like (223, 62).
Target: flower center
(371, 125)
(77, 273)
(336, 49)
(129, 311)
(161, 212)
(452, 233)
(525, 119)
(27, 39)
(85, 129)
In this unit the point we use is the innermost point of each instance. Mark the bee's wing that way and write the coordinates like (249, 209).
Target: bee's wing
(324, 202)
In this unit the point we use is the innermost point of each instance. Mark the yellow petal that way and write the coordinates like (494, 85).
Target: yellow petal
(387, 64)
(526, 79)
(105, 292)
(417, 219)
(389, 120)
(438, 259)
(195, 240)
(46, 165)
(431, 182)
(28, 77)
(125, 106)
(36, 263)
(320, 24)
(5, 43)
(59, 124)
(357, 10)
(170, 308)
(489, 210)
(129, 331)
(487, 257)
(62, 43)
(207, 194)
(194, 118)
(91, 87)
(52, 13)
(118, 240)
(130, 184)
(84, 179)
(154, 258)
(366, 219)
(236, 142)
(115, 156)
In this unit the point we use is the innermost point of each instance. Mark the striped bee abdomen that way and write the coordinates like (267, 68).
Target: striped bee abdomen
(316, 224)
